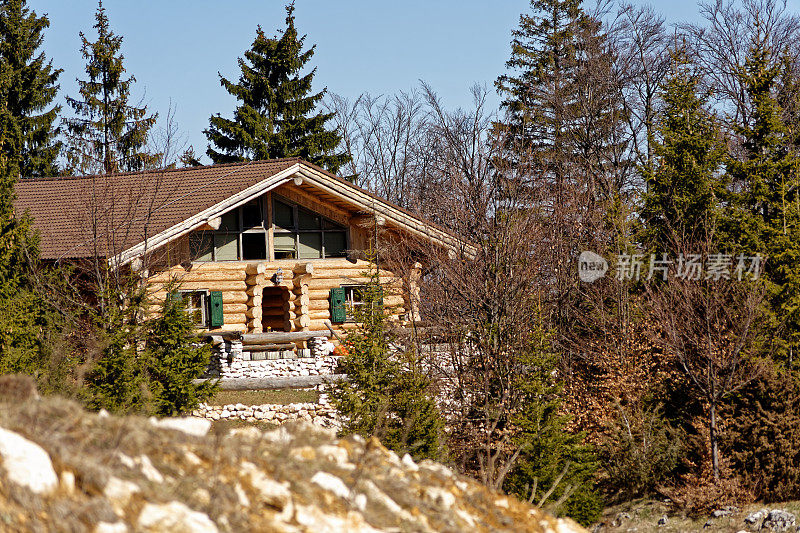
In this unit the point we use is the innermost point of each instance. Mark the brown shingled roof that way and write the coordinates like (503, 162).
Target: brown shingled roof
(123, 215)
(124, 209)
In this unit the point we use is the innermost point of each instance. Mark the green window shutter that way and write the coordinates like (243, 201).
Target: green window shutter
(217, 319)
(338, 308)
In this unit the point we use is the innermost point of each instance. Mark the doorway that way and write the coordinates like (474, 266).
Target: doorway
(275, 309)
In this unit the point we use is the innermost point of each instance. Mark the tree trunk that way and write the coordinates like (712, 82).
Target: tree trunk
(714, 446)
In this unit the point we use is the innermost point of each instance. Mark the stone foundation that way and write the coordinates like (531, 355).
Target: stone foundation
(231, 361)
(321, 414)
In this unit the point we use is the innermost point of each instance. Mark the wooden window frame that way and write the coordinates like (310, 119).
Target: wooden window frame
(204, 308)
(350, 301)
(296, 231)
(240, 232)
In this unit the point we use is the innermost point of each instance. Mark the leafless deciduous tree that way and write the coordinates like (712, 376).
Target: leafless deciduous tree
(488, 299)
(641, 45)
(710, 327)
(383, 136)
(167, 140)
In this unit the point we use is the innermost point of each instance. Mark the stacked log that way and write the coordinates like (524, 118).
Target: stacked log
(306, 300)
(303, 273)
(228, 278)
(335, 273)
(255, 278)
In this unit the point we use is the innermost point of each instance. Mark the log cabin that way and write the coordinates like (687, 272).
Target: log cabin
(253, 247)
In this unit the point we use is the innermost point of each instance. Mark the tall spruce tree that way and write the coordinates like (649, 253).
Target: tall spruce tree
(107, 134)
(683, 184)
(543, 63)
(24, 317)
(275, 117)
(564, 116)
(762, 211)
(27, 90)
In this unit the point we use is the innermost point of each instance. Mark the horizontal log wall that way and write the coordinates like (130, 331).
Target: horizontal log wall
(307, 299)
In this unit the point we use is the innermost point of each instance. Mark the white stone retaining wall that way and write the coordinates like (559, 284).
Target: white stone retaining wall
(322, 413)
(232, 362)
(240, 369)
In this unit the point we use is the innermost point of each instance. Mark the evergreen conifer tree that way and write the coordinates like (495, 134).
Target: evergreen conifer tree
(555, 52)
(684, 185)
(24, 316)
(175, 357)
(543, 62)
(386, 394)
(118, 379)
(563, 121)
(107, 134)
(276, 114)
(27, 90)
(762, 209)
(555, 468)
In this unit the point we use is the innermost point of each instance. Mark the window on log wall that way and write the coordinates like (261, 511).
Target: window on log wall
(297, 233)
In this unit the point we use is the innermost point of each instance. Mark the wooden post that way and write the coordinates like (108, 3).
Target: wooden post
(256, 279)
(413, 292)
(270, 231)
(303, 273)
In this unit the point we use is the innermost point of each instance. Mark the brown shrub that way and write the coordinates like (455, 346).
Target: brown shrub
(17, 388)
(760, 436)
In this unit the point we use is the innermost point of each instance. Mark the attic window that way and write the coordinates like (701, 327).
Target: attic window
(242, 234)
(302, 234)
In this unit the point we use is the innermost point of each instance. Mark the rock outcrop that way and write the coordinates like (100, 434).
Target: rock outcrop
(109, 474)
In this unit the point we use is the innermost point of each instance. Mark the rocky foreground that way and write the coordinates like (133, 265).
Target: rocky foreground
(63, 469)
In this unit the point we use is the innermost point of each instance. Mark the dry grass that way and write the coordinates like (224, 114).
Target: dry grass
(262, 397)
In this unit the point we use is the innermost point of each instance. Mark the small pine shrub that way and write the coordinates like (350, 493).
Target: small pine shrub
(387, 394)
(556, 468)
(117, 381)
(148, 366)
(639, 451)
(174, 358)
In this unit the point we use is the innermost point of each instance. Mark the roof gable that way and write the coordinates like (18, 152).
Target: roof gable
(122, 216)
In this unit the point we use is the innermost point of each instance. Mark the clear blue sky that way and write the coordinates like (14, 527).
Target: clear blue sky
(176, 47)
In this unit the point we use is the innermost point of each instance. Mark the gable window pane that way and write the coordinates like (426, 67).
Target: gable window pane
(310, 246)
(201, 246)
(254, 246)
(335, 244)
(251, 215)
(284, 246)
(307, 220)
(283, 215)
(327, 224)
(227, 246)
(230, 221)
